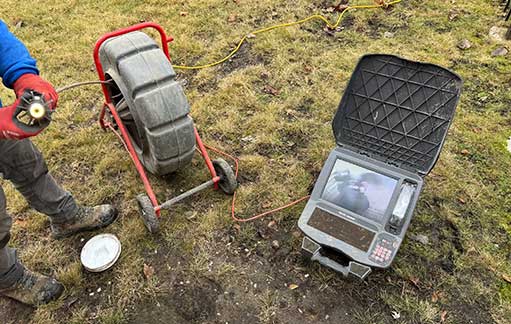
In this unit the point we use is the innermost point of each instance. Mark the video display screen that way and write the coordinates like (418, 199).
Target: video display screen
(359, 190)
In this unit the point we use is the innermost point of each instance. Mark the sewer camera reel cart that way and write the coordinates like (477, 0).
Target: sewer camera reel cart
(146, 108)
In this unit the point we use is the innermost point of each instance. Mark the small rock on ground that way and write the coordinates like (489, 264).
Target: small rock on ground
(501, 51)
(420, 238)
(497, 33)
(464, 44)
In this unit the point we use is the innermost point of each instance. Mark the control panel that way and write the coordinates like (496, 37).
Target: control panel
(384, 249)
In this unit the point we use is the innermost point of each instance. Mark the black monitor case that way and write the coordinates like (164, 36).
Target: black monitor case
(393, 118)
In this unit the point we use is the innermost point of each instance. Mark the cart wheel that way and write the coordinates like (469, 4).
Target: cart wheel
(148, 214)
(150, 102)
(227, 181)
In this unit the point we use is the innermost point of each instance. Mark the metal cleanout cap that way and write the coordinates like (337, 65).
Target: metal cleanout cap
(100, 252)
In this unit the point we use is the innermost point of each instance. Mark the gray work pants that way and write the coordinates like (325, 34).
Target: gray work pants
(22, 164)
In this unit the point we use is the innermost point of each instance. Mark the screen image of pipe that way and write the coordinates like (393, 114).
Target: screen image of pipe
(362, 191)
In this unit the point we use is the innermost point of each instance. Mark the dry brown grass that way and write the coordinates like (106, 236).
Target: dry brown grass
(287, 137)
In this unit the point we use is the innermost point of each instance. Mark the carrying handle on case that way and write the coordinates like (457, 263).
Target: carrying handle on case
(313, 250)
(326, 261)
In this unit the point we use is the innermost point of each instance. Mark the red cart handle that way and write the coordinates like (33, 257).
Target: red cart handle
(164, 45)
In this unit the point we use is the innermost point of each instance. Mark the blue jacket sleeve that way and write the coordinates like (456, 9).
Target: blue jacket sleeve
(15, 60)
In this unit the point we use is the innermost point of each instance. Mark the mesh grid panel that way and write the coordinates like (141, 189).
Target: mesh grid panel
(397, 111)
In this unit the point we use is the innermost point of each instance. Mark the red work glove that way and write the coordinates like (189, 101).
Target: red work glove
(8, 129)
(36, 83)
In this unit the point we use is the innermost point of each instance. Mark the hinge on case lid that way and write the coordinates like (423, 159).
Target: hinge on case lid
(397, 165)
(363, 153)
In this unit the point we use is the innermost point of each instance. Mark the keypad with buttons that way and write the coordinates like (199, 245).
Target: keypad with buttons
(383, 250)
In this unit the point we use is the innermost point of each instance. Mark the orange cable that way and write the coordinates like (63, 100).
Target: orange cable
(233, 204)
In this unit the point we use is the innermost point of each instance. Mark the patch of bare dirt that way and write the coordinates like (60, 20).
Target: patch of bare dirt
(13, 312)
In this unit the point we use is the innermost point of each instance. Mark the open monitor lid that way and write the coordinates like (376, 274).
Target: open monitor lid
(397, 111)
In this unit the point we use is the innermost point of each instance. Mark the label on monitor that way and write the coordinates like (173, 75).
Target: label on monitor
(399, 212)
(406, 194)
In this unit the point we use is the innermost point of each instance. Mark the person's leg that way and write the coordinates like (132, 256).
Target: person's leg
(17, 282)
(10, 269)
(24, 165)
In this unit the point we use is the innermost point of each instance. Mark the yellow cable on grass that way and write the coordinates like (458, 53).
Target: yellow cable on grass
(263, 30)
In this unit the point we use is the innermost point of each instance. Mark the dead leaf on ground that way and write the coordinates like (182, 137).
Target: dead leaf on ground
(263, 233)
(453, 14)
(415, 281)
(148, 271)
(272, 224)
(232, 18)
(271, 90)
(21, 222)
(292, 113)
(266, 204)
(293, 286)
(19, 23)
(506, 278)
(436, 296)
(443, 316)
(329, 31)
(343, 5)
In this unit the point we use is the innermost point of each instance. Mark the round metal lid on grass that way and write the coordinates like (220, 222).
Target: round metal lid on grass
(100, 252)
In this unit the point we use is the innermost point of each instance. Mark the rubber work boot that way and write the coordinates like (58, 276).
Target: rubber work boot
(87, 219)
(34, 289)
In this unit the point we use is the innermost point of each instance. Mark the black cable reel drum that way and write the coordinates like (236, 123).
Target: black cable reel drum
(153, 107)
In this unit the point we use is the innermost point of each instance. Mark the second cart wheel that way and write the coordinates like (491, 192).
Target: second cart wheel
(228, 182)
(148, 214)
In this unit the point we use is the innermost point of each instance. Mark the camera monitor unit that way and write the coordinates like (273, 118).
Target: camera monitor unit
(389, 128)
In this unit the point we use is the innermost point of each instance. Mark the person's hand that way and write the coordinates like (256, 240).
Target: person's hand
(38, 84)
(8, 129)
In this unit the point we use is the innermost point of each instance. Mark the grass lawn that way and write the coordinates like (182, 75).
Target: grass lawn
(271, 105)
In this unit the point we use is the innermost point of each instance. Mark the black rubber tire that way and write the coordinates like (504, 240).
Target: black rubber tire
(228, 182)
(148, 214)
(157, 116)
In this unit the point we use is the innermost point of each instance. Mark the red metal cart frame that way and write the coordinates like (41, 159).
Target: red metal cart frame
(124, 136)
